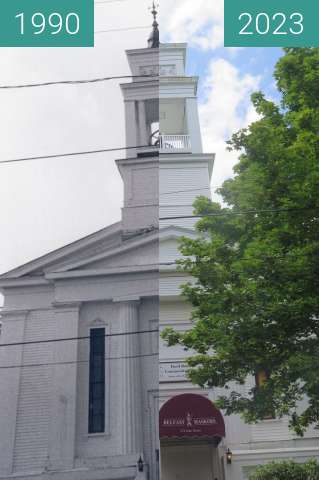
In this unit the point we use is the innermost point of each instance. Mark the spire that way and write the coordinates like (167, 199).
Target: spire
(153, 41)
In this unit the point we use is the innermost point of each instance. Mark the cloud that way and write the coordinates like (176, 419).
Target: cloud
(226, 108)
(200, 22)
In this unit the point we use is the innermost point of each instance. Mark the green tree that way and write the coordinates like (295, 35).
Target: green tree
(255, 264)
(287, 471)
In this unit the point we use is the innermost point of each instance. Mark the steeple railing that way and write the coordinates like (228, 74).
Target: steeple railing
(174, 142)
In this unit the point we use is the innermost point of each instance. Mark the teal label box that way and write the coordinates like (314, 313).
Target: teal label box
(46, 23)
(271, 23)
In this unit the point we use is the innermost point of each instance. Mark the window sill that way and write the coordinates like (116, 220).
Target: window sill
(98, 435)
(270, 420)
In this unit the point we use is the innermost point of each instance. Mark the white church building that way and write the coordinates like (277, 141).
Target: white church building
(79, 340)
(88, 391)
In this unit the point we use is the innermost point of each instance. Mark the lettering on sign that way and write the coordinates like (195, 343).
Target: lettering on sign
(173, 372)
(190, 415)
(189, 423)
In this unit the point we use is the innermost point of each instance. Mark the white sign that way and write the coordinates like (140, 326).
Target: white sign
(173, 372)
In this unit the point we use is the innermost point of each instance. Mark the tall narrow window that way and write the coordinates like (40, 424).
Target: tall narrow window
(97, 381)
(261, 378)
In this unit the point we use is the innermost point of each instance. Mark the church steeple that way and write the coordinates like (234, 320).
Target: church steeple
(139, 170)
(153, 41)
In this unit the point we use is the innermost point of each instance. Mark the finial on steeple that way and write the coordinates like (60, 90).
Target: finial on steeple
(153, 41)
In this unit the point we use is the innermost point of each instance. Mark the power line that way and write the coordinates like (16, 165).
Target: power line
(73, 154)
(75, 82)
(189, 190)
(108, 1)
(70, 339)
(245, 212)
(162, 264)
(33, 365)
(127, 29)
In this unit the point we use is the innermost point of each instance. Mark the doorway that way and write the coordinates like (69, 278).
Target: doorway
(190, 462)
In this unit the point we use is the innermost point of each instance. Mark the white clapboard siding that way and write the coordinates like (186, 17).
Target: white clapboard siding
(33, 414)
(175, 312)
(171, 285)
(312, 432)
(271, 430)
(168, 251)
(188, 223)
(180, 185)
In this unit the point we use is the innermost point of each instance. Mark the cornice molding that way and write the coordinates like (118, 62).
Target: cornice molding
(69, 306)
(24, 282)
(102, 273)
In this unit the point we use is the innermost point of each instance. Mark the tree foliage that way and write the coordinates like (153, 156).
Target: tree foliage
(287, 471)
(255, 264)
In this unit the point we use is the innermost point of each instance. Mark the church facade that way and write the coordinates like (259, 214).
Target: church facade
(197, 440)
(79, 341)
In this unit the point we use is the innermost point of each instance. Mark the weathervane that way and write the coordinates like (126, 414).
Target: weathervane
(153, 41)
(154, 11)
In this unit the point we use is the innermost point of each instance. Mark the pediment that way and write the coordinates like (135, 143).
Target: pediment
(104, 252)
(176, 233)
(139, 251)
(87, 247)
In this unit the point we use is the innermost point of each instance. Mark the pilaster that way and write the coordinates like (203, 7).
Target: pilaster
(63, 390)
(130, 379)
(143, 140)
(13, 327)
(193, 125)
(130, 127)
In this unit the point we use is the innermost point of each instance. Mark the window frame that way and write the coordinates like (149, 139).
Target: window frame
(94, 381)
(261, 376)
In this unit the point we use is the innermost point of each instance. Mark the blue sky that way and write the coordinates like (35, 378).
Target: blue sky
(254, 61)
(228, 76)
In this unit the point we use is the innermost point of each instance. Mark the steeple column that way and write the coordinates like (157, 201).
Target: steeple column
(193, 125)
(143, 130)
(131, 125)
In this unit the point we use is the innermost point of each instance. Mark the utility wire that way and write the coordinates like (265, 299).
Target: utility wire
(90, 80)
(73, 154)
(71, 339)
(189, 190)
(127, 29)
(108, 1)
(75, 82)
(175, 263)
(162, 264)
(244, 212)
(33, 365)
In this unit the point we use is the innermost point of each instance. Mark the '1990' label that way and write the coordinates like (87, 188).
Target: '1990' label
(53, 23)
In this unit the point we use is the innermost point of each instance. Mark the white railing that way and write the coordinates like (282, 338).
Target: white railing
(174, 142)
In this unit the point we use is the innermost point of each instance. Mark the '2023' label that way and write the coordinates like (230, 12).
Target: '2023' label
(269, 23)
(277, 24)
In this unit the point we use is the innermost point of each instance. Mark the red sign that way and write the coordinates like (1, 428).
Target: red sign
(191, 416)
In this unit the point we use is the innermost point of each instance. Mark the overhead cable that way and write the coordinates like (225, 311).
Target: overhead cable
(73, 154)
(243, 212)
(104, 2)
(71, 339)
(74, 82)
(34, 365)
(127, 29)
